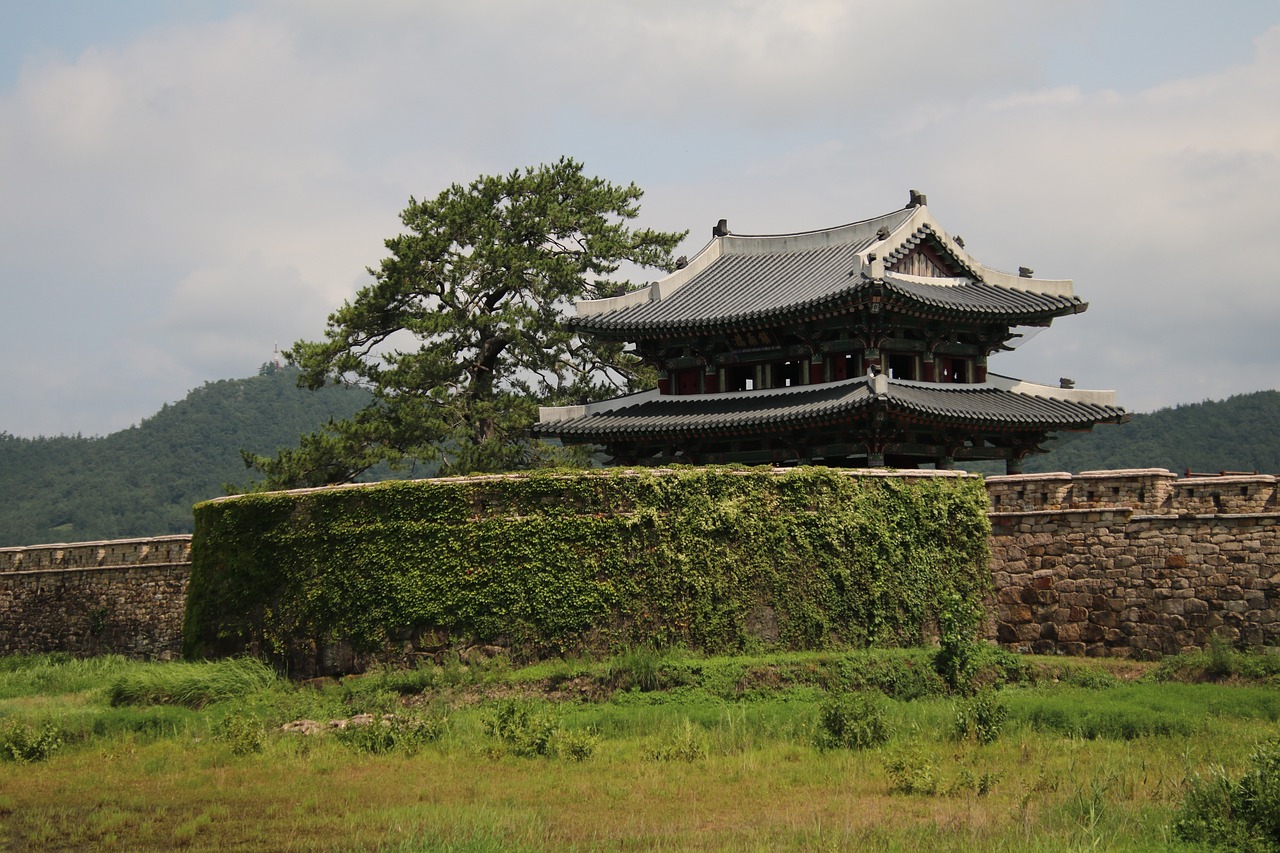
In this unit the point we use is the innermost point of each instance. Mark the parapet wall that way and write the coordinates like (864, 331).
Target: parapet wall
(1134, 563)
(1118, 563)
(124, 597)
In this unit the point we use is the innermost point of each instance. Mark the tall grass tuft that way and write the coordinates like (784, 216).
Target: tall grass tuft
(193, 685)
(46, 674)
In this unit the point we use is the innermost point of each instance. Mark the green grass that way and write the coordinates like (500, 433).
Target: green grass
(648, 750)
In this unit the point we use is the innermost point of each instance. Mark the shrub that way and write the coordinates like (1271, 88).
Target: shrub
(901, 674)
(242, 734)
(980, 718)
(394, 733)
(1090, 678)
(1242, 814)
(24, 744)
(575, 744)
(911, 772)
(1222, 657)
(522, 728)
(853, 721)
(958, 658)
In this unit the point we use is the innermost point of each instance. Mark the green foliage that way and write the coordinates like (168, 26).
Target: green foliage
(904, 676)
(481, 282)
(912, 771)
(1241, 814)
(853, 721)
(575, 744)
(686, 742)
(143, 481)
(192, 685)
(959, 653)
(1128, 712)
(1220, 661)
(980, 717)
(25, 743)
(522, 727)
(400, 732)
(550, 562)
(242, 734)
(637, 668)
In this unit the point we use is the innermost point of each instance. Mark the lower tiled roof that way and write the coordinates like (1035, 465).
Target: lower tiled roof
(981, 406)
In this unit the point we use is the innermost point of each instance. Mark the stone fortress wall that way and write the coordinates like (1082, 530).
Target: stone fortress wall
(1134, 563)
(126, 596)
(1111, 563)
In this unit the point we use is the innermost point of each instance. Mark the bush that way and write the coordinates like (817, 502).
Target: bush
(1240, 815)
(242, 734)
(853, 721)
(911, 772)
(522, 728)
(901, 674)
(393, 733)
(959, 655)
(24, 744)
(980, 718)
(576, 744)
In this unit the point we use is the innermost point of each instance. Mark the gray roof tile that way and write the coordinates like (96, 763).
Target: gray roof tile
(976, 405)
(742, 290)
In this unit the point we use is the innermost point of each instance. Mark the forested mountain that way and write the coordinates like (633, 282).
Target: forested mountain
(143, 481)
(1240, 433)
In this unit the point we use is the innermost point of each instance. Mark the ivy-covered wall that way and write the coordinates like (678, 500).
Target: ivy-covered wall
(718, 559)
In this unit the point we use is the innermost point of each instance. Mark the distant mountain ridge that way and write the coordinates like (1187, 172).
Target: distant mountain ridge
(143, 481)
(1241, 433)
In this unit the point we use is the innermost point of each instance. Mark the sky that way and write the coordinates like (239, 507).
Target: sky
(183, 185)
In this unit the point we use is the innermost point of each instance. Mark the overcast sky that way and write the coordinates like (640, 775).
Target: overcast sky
(183, 184)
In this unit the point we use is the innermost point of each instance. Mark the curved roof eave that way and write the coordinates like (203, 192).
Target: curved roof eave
(866, 245)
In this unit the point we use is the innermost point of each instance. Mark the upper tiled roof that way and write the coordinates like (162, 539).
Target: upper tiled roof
(744, 281)
(981, 406)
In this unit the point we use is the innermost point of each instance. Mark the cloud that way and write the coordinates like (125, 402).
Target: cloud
(177, 201)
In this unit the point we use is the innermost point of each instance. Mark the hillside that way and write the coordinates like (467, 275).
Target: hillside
(1241, 433)
(143, 481)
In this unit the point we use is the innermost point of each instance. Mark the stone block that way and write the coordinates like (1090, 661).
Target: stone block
(1018, 613)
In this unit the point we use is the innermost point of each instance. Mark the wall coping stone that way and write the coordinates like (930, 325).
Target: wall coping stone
(1225, 480)
(882, 473)
(47, 546)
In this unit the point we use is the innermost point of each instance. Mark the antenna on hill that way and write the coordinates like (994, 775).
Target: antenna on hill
(276, 357)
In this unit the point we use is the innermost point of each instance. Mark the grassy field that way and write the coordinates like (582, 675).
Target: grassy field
(641, 751)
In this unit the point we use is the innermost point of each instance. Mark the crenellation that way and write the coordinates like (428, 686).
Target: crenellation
(124, 597)
(1175, 561)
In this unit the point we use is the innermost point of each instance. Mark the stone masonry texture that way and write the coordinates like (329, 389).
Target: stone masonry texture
(124, 597)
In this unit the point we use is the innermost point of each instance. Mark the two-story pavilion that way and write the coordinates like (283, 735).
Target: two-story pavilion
(860, 345)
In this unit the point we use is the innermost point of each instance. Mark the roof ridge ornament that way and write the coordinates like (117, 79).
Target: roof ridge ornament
(917, 199)
(721, 229)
